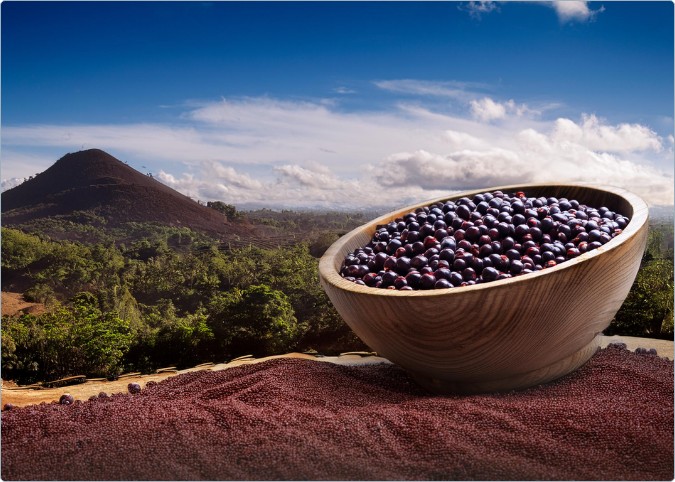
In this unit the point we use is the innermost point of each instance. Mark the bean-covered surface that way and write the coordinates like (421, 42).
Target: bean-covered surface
(299, 419)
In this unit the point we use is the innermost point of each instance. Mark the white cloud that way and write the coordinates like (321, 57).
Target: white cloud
(10, 183)
(463, 91)
(551, 157)
(568, 10)
(458, 170)
(231, 176)
(477, 9)
(179, 142)
(487, 109)
(17, 164)
(596, 136)
(458, 140)
(531, 157)
(313, 178)
(288, 153)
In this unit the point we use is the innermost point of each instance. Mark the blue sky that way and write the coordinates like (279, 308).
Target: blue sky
(344, 104)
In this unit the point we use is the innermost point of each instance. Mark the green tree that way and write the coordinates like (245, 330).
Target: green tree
(648, 308)
(75, 340)
(20, 250)
(184, 341)
(257, 320)
(228, 210)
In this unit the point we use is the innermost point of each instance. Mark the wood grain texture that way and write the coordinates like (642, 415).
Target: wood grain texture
(502, 335)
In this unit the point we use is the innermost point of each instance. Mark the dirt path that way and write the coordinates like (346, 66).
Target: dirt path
(13, 303)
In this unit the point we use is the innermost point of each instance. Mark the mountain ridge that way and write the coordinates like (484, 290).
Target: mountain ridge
(93, 180)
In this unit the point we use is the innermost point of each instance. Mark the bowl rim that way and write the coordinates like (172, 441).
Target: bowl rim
(329, 275)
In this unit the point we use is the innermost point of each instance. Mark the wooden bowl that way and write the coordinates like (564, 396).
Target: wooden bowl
(502, 335)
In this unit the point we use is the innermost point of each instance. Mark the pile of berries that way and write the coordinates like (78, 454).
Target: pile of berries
(490, 237)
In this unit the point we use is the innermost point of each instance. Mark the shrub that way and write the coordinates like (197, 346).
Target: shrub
(256, 320)
(20, 250)
(79, 340)
(648, 308)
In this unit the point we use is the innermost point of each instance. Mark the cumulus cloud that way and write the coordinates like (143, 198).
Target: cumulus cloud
(487, 109)
(313, 154)
(560, 151)
(314, 178)
(595, 135)
(534, 157)
(291, 185)
(459, 170)
(459, 140)
(10, 183)
(231, 176)
(569, 10)
(551, 157)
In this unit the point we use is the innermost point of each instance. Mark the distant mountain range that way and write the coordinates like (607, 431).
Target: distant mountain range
(661, 213)
(94, 181)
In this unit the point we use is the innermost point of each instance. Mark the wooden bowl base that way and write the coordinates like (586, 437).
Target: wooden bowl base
(518, 382)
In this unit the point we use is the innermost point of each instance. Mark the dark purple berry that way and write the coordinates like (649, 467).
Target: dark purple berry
(442, 284)
(370, 279)
(388, 278)
(419, 261)
(390, 263)
(494, 235)
(413, 279)
(427, 281)
(459, 264)
(516, 266)
(393, 245)
(469, 274)
(463, 211)
(456, 278)
(403, 265)
(573, 253)
(442, 273)
(400, 282)
(489, 274)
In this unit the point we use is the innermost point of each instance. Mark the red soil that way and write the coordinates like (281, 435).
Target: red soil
(15, 304)
(300, 419)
